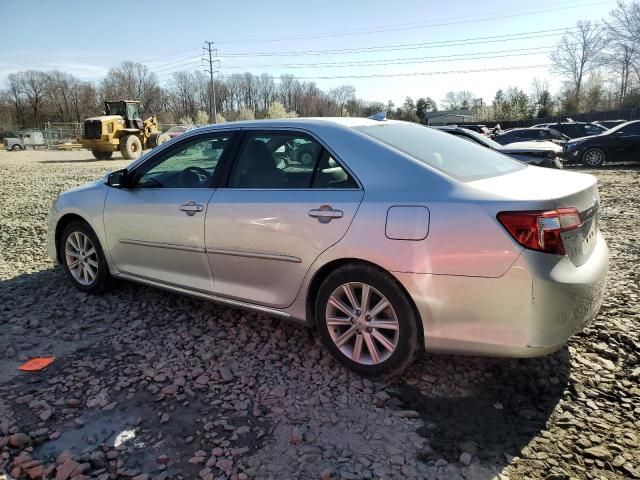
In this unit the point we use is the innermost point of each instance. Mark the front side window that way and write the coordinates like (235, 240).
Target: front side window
(189, 165)
(461, 160)
(287, 160)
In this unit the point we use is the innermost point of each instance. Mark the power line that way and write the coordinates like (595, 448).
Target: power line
(410, 46)
(400, 61)
(413, 26)
(177, 66)
(159, 67)
(411, 74)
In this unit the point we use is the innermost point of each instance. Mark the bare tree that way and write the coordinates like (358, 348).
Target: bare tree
(623, 39)
(577, 54)
(342, 94)
(450, 101)
(541, 97)
(132, 81)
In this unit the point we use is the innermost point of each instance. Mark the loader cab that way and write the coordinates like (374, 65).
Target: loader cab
(129, 110)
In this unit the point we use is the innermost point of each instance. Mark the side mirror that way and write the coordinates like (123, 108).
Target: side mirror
(117, 179)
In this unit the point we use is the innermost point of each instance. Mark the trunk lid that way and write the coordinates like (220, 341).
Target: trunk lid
(541, 188)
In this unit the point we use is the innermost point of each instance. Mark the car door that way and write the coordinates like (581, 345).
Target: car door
(155, 226)
(276, 214)
(625, 142)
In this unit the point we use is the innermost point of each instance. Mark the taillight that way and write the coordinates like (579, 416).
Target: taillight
(540, 230)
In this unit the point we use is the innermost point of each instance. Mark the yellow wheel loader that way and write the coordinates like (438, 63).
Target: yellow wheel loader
(121, 128)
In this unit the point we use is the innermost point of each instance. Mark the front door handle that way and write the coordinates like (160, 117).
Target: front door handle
(325, 213)
(191, 208)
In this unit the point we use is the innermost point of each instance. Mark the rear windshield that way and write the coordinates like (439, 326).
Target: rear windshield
(461, 159)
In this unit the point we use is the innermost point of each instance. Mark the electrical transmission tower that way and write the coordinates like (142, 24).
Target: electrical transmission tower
(209, 52)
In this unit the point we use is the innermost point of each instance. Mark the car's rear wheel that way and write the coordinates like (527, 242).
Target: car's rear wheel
(367, 321)
(83, 259)
(594, 157)
(16, 148)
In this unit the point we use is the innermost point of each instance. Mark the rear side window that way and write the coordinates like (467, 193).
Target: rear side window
(287, 160)
(462, 160)
(594, 129)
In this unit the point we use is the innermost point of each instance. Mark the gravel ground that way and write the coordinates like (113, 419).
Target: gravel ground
(148, 384)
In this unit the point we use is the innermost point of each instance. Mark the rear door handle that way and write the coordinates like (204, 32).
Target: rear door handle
(191, 208)
(325, 213)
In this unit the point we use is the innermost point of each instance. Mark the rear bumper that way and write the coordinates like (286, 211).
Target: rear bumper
(532, 310)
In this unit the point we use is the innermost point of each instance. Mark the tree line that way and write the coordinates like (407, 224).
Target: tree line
(34, 97)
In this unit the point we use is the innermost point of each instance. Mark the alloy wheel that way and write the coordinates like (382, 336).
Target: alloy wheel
(306, 158)
(362, 323)
(593, 157)
(81, 257)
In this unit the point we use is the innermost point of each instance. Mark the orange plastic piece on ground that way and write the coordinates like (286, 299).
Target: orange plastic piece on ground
(36, 364)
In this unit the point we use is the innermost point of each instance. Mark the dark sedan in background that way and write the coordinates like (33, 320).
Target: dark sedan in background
(540, 154)
(619, 143)
(575, 129)
(531, 134)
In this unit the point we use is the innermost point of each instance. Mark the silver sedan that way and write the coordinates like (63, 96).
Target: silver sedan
(392, 239)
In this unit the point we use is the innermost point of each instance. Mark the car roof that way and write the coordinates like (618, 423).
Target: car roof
(306, 122)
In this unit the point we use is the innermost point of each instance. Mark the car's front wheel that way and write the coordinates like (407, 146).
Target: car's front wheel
(594, 157)
(83, 259)
(367, 321)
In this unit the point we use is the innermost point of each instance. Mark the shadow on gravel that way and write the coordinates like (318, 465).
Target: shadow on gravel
(608, 166)
(85, 161)
(497, 407)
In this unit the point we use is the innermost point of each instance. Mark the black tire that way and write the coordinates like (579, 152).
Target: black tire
(101, 155)
(162, 138)
(407, 340)
(103, 279)
(16, 148)
(594, 157)
(130, 147)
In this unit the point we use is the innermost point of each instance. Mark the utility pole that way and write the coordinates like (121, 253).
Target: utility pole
(212, 93)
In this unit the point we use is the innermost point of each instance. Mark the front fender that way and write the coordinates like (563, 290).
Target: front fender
(86, 202)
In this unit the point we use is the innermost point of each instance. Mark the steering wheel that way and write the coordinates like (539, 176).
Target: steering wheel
(201, 174)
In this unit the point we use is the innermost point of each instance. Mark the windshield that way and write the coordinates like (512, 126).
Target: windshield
(458, 158)
(115, 108)
(483, 140)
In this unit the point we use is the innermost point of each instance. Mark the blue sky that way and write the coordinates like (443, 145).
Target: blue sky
(402, 37)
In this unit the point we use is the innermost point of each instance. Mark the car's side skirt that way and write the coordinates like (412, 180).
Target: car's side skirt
(202, 295)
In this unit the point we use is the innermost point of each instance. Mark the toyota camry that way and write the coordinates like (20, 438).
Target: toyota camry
(394, 238)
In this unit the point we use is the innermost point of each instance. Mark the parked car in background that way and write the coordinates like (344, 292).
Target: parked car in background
(397, 237)
(540, 154)
(619, 143)
(610, 123)
(481, 129)
(531, 134)
(575, 129)
(179, 130)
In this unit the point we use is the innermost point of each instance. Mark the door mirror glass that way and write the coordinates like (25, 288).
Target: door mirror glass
(117, 179)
